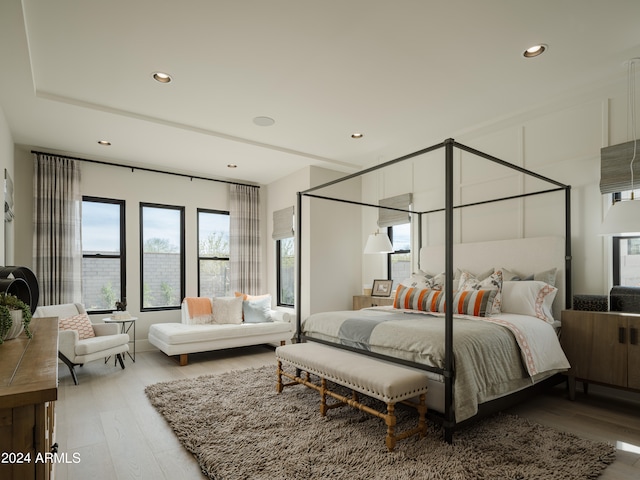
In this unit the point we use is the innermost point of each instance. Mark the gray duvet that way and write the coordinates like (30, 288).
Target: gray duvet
(487, 358)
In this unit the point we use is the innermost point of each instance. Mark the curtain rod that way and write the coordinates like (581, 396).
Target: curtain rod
(145, 169)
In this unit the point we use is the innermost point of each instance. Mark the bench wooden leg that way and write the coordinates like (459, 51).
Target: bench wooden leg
(390, 420)
(279, 386)
(184, 359)
(323, 397)
(422, 413)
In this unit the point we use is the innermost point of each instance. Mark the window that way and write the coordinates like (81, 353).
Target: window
(283, 234)
(626, 252)
(399, 261)
(285, 249)
(103, 254)
(626, 261)
(213, 254)
(161, 257)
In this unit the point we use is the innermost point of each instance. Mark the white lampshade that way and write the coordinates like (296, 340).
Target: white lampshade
(378, 243)
(623, 219)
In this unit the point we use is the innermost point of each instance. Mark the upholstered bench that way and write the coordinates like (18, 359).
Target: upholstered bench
(385, 381)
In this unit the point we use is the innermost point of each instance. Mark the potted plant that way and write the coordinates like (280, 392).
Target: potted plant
(15, 315)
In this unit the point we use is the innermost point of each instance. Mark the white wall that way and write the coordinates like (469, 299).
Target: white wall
(6, 161)
(560, 141)
(280, 194)
(335, 260)
(331, 262)
(133, 187)
(331, 223)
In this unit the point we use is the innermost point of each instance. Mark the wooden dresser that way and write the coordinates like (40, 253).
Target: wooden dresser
(28, 390)
(602, 348)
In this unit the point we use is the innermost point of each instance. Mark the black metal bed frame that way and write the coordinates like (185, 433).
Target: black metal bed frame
(448, 419)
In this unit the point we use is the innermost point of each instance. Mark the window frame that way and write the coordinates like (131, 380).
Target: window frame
(615, 244)
(395, 252)
(228, 259)
(615, 253)
(180, 209)
(123, 248)
(279, 301)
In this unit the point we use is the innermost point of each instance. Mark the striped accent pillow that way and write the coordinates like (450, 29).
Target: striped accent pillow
(474, 302)
(423, 299)
(467, 302)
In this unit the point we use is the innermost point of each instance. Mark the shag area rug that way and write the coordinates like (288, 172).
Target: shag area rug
(238, 427)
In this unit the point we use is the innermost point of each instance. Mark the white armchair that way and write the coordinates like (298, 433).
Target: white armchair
(72, 351)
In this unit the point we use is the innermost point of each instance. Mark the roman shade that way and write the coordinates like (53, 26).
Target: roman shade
(615, 171)
(283, 224)
(398, 216)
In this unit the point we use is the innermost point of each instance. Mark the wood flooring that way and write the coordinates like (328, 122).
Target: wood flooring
(114, 432)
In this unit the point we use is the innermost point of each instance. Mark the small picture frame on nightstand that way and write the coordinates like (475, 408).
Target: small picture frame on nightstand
(381, 288)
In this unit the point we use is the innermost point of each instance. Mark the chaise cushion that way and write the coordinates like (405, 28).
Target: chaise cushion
(181, 334)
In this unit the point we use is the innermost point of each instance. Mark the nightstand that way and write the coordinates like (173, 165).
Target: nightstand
(602, 348)
(366, 301)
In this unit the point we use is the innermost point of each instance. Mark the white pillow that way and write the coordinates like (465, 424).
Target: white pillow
(416, 280)
(548, 276)
(469, 281)
(226, 310)
(531, 298)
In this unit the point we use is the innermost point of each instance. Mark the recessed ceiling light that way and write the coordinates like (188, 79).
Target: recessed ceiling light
(232, 165)
(264, 121)
(162, 77)
(105, 143)
(357, 135)
(535, 50)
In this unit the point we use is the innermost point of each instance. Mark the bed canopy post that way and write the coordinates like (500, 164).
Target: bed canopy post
(568, 292)
(448, 359)
(298, 254)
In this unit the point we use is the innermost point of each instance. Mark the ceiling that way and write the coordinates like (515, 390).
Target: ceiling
(405, 74)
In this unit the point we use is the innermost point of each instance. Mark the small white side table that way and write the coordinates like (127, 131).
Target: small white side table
(127, 324)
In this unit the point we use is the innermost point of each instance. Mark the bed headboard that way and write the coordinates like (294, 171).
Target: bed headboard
(524, 255)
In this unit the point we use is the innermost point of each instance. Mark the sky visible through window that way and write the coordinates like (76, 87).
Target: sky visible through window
(100, 227)
(402, 237)
(163, 223)
(213, 224)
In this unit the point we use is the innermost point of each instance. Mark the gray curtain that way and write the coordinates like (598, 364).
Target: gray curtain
(244, 239)
(57, 234)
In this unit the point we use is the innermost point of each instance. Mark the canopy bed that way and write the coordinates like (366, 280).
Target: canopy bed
(480, 357)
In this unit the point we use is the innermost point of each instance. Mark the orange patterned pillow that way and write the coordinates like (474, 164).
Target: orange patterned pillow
(81, 323)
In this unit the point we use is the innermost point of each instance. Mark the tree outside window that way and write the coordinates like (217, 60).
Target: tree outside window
(285, 249)
(213, 254)
(162, 254)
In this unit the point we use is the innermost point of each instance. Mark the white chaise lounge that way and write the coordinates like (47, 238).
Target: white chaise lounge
(184, 338)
